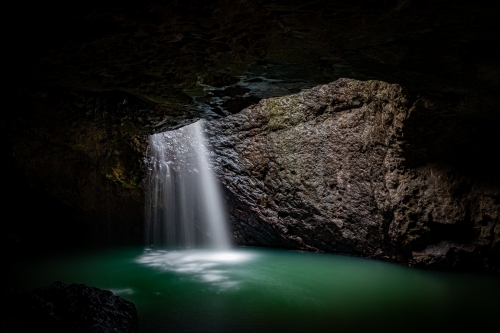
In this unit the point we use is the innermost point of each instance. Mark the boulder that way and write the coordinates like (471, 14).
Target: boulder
(67, 308)
(333, 169)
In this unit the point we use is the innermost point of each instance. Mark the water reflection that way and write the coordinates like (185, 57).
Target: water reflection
(122, 292)
(209, 266)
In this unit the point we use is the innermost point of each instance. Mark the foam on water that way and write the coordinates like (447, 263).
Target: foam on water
(213, 267)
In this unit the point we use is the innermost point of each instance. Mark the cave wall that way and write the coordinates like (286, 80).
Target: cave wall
(73, 170)
(331, 169)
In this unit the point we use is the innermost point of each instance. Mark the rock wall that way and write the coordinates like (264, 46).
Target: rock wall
(331, 169)
(73, 168)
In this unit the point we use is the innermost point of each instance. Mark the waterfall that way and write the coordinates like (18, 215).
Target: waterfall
(184, 206)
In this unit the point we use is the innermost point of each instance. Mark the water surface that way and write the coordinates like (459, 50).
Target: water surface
(264, 290)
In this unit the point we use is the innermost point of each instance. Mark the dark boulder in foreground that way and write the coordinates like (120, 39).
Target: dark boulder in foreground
(67, 308)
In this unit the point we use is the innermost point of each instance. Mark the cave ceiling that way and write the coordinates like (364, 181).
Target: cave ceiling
(208, 59)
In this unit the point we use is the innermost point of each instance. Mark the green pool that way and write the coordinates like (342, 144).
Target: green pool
(267, 290)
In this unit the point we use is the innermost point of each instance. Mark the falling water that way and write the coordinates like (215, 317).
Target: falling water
(184, 208)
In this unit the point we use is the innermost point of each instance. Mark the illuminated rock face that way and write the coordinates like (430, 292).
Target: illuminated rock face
(326, 170)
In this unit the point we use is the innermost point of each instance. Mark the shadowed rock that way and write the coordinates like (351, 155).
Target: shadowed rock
(67, 308)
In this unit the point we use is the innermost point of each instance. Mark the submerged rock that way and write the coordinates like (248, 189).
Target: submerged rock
(67, 308)
(332, 169)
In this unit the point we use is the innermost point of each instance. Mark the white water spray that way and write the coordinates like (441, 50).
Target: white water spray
(184, 208)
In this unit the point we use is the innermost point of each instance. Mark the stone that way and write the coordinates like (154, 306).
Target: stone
(67, 308)
(326, 170)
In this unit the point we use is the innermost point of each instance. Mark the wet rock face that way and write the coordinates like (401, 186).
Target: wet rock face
(67, 308)
(326, 170)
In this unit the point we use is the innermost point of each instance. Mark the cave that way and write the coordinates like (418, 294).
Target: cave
(337, 129)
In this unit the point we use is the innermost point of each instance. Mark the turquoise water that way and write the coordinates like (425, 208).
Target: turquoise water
(267, 290)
